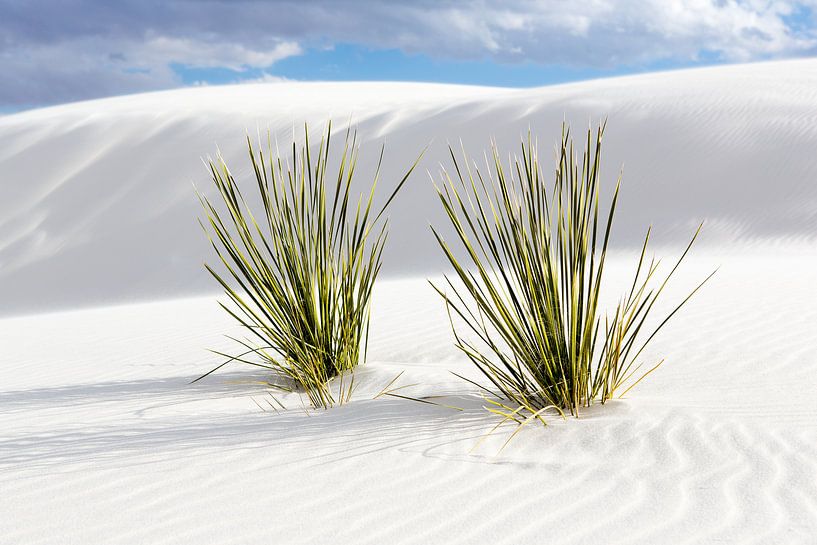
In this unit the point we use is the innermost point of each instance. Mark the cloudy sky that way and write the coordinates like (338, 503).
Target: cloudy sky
(60, 51)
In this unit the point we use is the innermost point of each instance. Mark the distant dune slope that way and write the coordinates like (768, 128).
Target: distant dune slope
(97, 203)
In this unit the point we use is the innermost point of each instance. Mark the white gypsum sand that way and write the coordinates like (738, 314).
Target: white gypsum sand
(103, 440)
(101, 191)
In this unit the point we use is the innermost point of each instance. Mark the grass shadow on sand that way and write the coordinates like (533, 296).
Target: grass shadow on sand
(171, 417)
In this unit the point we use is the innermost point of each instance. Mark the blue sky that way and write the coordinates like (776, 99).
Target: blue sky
(354, 62)
(61, 51)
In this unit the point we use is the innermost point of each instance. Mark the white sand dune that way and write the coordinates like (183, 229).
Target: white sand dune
(102, 439)
(98, 205)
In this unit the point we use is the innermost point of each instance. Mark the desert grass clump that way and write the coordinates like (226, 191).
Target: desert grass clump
(300, 272)
(529, 266)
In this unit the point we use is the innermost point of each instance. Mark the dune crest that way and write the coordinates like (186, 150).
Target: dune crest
(98, 205)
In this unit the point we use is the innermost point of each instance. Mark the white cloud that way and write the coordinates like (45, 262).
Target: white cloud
(208, 54)
(86, 67)
(91, 48)
(604, 33)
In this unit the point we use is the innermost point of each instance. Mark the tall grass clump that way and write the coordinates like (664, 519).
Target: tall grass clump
(299, 271)
(529, 264)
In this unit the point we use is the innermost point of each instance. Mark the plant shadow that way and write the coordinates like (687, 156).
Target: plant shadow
(119, 420)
